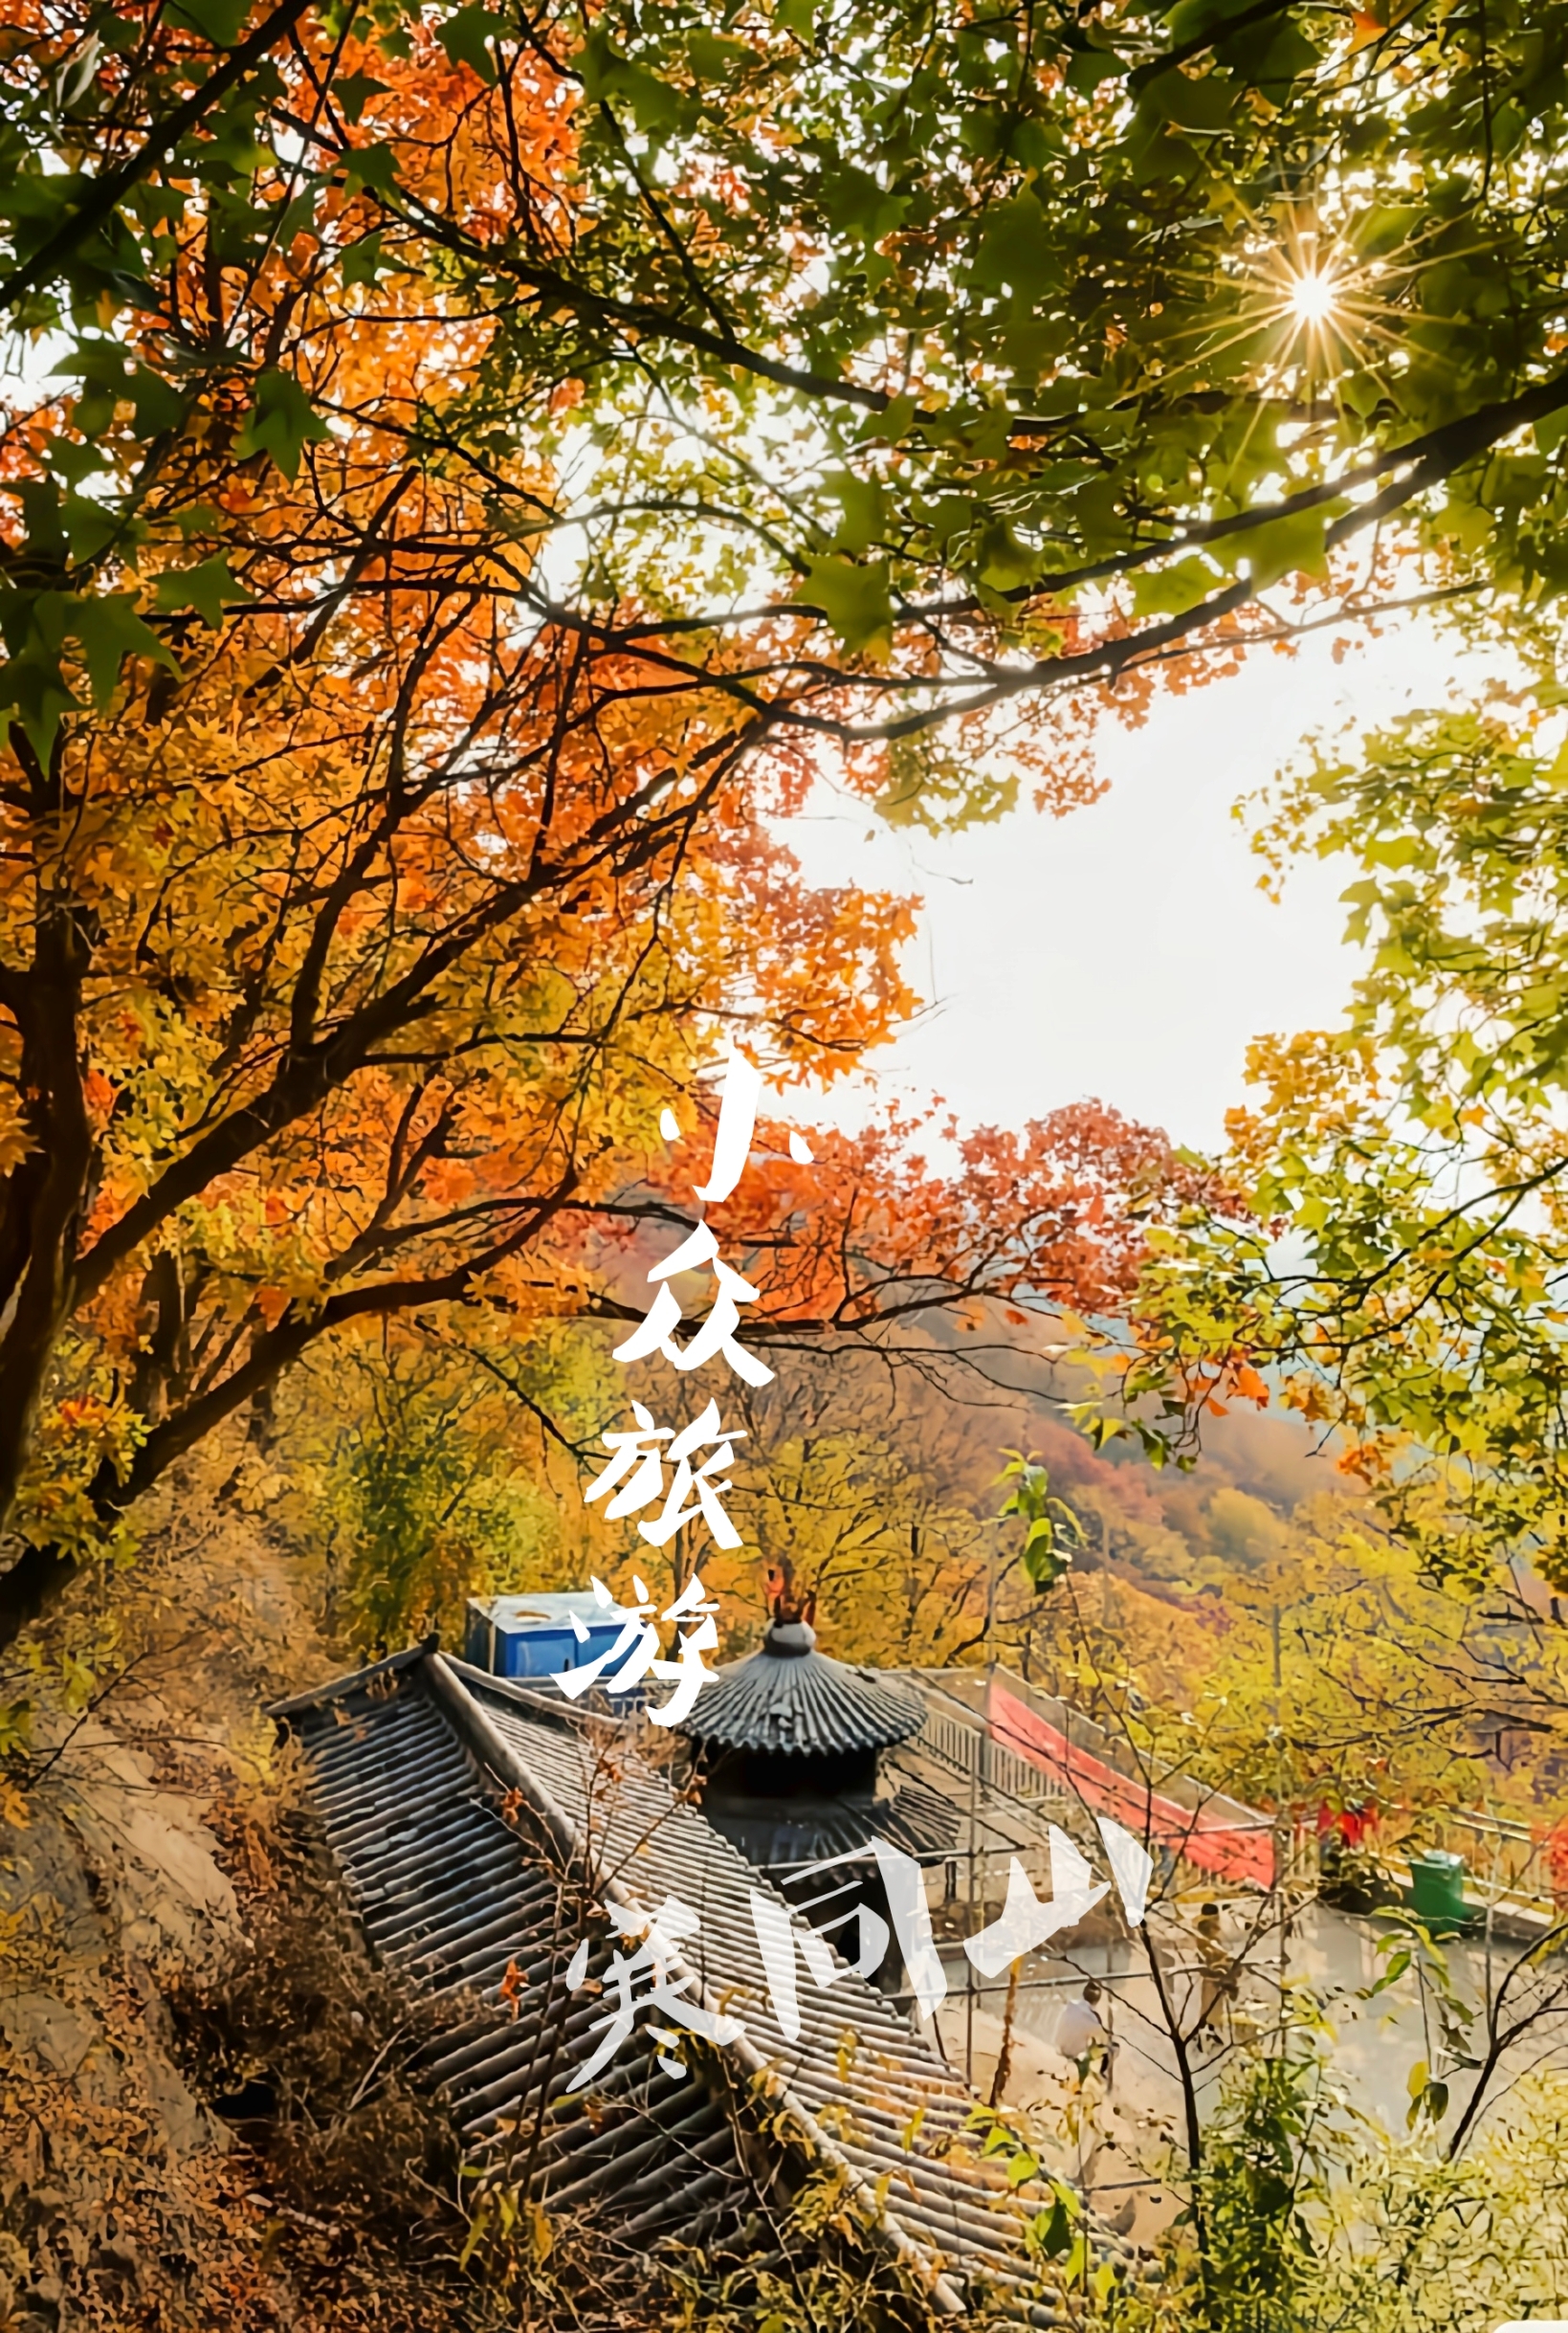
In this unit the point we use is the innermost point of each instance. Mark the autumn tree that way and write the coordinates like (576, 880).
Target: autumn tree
(357, 936)
(438, 1459)
(1398, 1259)
(466, 469)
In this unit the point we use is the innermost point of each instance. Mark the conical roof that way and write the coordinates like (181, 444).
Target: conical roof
(790, 1697)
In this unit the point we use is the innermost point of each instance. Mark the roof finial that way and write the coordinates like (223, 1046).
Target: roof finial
(782, 1602)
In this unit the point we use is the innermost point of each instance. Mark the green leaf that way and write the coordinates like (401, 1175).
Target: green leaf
(1172, 591)
(90, 528)
(280, 422)
(218, 21)
(207, 588)
(1190, 19)
(280, 225)
(1269, 58)
(1384, 228)
(41, 515)
(73, 461)
(1050, 2231)
(1426, 2095)
(353, 92)
(1363, 392)
(34, 626)
(362, 261)
(1018, 248)
(865, 507)
(157, 405)
(1391, 1975)
(466, 38)
(857, 601)
(714, 59)
(1286, 546)
(854, 202)
(100, 365)
(1001, 561)
(655, 105)
(19, 620)
(1089, 67)
(374, 166)
(1193, 104)
(157, 206)
(891, 424)
(109, 630)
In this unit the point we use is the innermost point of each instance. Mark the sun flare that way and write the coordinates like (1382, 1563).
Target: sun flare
(1312, 297)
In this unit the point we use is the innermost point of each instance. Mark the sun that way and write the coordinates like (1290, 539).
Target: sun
(1310, 309)
(1313, 297)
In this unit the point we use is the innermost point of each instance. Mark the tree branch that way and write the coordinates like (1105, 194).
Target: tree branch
(108, 192)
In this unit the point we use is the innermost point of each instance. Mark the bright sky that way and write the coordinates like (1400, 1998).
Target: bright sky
(1125, 952)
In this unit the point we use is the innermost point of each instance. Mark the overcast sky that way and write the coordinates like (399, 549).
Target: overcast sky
(1125, 952)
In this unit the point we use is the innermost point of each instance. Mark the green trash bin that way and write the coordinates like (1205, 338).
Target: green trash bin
(1437, 1889)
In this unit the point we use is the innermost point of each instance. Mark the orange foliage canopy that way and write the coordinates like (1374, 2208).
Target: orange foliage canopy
(349, 956)
(873, 1239)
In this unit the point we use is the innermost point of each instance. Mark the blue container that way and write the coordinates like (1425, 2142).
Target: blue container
(533, 1636)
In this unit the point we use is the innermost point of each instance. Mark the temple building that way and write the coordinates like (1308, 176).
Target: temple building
(788, 1754)
(500, 1846)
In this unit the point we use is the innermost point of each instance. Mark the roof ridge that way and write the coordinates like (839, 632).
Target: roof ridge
(421, 1875)
(500, 1754)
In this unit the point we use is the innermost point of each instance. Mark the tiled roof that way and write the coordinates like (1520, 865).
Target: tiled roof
(801, 1703)
(409, 1764)
(776, 1832)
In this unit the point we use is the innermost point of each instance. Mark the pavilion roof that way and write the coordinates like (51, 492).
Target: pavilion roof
(788, 1698)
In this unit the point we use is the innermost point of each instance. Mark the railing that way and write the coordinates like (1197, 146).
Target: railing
(1504, 1859)
(1508, 1862)
(984, 1724)
(1007, 1771)
(960, 1738)
(950, 1741)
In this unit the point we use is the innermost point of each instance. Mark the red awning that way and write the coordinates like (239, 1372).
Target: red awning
(1208, 1835)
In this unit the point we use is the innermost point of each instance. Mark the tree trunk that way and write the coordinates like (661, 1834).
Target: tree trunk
(38, 1578)
(163, 1355)
(261, 1432)
(43, 1203)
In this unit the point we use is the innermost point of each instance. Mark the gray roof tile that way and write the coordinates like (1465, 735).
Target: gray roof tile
(409, 1764)
(803, 1704)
